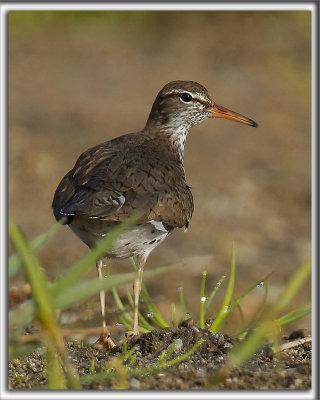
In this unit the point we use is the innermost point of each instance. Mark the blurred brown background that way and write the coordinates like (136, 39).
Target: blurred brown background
(80, 78)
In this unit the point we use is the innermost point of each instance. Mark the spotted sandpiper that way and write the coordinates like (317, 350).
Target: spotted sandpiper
(142, 172)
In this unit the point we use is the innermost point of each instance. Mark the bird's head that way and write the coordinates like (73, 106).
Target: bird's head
(183, 104)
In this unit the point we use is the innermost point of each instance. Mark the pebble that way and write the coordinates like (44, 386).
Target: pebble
(178, 345)
(200, 372)
(135, 384)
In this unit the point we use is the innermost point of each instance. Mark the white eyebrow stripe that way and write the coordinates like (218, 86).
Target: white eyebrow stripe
(178, 91)
(195, 95)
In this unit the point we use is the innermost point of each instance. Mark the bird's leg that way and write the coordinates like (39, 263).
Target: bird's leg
(105, 338)
(136, 291)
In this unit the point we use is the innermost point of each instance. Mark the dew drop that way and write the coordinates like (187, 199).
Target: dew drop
(260, 285)
(203, 299)
(188, 315)
(150, 314)
(226, 308)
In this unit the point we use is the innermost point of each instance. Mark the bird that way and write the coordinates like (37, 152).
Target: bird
(140, 172)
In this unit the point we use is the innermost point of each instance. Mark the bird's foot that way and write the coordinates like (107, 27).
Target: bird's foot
(130, 335)
(104, 342)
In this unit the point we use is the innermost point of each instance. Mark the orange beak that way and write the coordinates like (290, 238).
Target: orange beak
(222, 112)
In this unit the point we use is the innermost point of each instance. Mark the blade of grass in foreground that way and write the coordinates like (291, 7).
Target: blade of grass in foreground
(294, 315)
(36, 277)
(82, 267)
(247, 348)
(225, 305)
(85, 289)
(36, 245)
(45, 311)
(55, 376)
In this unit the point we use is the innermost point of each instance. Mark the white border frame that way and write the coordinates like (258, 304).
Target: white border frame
(4, 8)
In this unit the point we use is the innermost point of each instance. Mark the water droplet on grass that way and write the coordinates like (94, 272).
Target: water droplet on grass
(203, 299)
(150, 314)
(260, 285)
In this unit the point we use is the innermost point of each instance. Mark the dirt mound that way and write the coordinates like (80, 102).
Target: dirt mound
(202, 370)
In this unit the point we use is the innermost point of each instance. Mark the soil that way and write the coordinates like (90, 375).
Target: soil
(204, 369)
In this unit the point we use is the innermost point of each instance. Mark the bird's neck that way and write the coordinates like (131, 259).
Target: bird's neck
(169, 138)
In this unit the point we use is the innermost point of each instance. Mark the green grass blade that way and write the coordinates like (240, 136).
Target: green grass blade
(186, 355)
(85, 289)
(212, 294)
(36, 277)
(126, 318)
(144, 323)
(241, 297)
(140, 371)
(247, 348)
(225, 305)
(202, 299)
(259, 312)
(153, 309)
(82, 267)
(130, 299)
(293, 287)
(295, 315)
(55, 377)
(45, 311)
(167, 353)
(126, 321)
(117, 299)
(36, 245)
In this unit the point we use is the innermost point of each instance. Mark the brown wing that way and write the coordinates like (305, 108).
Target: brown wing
(117, 178)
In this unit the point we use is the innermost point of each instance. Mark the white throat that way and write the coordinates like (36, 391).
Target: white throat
(178, 138)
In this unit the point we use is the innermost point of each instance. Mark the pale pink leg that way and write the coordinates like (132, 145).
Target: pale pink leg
(105, 338)
(136, 291)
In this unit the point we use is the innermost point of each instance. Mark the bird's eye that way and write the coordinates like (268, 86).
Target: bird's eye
(186, 97)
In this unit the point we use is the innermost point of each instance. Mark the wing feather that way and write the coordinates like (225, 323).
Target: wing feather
(115, 179)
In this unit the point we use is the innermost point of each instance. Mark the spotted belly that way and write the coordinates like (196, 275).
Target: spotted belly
(137, 240)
